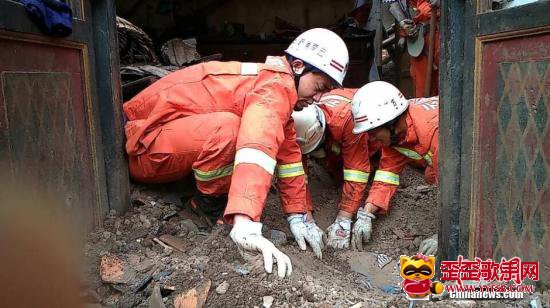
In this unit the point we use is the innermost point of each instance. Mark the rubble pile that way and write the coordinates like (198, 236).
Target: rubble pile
(160, 255)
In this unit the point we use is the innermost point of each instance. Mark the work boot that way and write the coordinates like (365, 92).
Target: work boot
(208, 208)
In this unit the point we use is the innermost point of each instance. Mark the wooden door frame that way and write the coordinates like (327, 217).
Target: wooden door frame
(105, 90)
(463, 31)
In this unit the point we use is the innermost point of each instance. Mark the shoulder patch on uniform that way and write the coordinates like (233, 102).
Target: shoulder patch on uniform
(249, 68)
(274, 61)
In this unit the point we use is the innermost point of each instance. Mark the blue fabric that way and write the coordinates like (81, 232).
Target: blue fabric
(53, 17)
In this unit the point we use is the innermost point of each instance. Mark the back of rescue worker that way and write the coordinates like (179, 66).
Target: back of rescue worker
(229, 123)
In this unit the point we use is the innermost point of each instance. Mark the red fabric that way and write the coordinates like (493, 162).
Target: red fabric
(209, 145)
(419, 65)
(345, 150)
(416, 287)
(262, 101)
(422, 119)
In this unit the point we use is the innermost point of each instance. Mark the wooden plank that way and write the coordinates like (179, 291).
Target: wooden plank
(451, 94)
(109, 97)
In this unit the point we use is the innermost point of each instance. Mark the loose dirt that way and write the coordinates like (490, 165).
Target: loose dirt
(340, 279)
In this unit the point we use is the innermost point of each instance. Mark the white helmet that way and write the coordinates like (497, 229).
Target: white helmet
(376, 104)
(310, 127)
(324, 50)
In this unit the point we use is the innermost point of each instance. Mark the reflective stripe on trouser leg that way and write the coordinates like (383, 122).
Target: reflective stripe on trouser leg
(213, 174)
(386, 177)
(257, 157)
(290, 170)
(356, 176)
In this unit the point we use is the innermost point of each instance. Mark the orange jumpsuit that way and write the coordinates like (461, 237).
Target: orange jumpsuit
(419, 65)
(346, 150)
(227, 122)
(419, 143)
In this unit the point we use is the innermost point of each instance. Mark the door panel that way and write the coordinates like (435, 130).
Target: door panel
(495, 132)
(511, 205)
(50, 104)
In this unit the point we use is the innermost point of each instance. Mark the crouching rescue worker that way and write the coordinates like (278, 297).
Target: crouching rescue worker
(230, 124)
(407, 130)
(325, 131)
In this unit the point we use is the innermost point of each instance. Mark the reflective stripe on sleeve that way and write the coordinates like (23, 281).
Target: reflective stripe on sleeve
(386, 177)
(213, 174)
(257, 157)
(290, 170)
(409, 153)
(428, 158)
(356, 176)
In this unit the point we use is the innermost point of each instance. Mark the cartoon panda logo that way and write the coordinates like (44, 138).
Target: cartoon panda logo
(417, 272)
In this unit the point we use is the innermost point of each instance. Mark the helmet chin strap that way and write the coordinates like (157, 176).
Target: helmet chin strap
(394, 138)
(297, 76)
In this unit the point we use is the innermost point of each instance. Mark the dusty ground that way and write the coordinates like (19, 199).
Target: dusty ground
(331, 282)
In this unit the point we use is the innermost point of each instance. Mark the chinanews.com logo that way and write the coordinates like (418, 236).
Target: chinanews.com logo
(467, 279)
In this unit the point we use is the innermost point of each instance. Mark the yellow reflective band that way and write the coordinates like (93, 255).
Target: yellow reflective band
(386, 177)
(213, 174)
(409, 153)
(335, 148)
(290, 170)
(428, 158)
(356, 176)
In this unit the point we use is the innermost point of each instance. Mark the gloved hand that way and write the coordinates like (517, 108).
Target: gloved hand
(362, 229)
(247, 235)
(307, 231)
(339, 233)
(429, 246)
(409, 28)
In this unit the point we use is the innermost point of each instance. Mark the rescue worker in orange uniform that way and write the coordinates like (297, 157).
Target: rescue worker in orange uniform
(407, 130)
(325, 131)
(230, 124)
(414, 20)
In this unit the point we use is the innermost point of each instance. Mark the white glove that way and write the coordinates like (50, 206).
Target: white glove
(307, 231)
(429, 246)
(248, 237)
(339, 233)
(362, 229)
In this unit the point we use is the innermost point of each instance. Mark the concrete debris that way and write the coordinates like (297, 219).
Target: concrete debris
(166, 247)
(267, 301)
(189, 225)
(155, 300)
(167, 290)
(222, 288)
(170, 215)
(180, 52)
(241, 270)
(134, 259)
(278, 238)
(423, 188)
(144, 266)
(114, 270)
(194, 298)
(383, 260)
(358, 305)
(173, 242)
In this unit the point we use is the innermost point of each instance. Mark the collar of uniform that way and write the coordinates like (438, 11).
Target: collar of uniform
(410, 135)
(279, 62)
